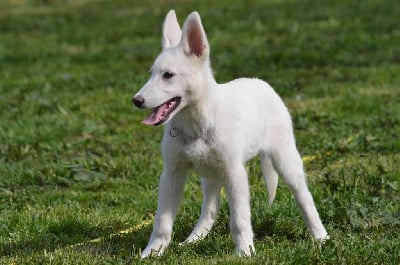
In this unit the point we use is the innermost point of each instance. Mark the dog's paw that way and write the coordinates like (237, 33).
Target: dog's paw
(245, 251)
(189, 241)
(193, 238)
(323, 239)
(155, 248)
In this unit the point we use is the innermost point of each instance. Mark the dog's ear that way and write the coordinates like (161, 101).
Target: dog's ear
(194, 40)
(171, 31)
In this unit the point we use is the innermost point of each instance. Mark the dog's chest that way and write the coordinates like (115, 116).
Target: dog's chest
(198, 149)
(202, 154)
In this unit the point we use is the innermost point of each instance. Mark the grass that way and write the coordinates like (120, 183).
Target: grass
(76, 164)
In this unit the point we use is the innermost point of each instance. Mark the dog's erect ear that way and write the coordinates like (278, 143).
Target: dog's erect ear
(171, 31)
(194, 40)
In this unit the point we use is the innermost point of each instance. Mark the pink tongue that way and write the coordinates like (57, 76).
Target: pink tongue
(156, 116)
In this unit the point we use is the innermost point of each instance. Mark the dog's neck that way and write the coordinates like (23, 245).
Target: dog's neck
(197, 119)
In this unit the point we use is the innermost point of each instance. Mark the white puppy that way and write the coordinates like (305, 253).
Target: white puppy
(214, 129)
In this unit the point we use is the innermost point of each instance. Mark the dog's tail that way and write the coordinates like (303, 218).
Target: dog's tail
(270, 176)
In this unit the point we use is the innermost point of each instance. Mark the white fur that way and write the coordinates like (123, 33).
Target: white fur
(215, 130)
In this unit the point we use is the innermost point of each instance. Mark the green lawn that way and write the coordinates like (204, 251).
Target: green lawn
(76, 164)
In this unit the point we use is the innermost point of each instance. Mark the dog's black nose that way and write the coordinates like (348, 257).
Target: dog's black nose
(138, 101)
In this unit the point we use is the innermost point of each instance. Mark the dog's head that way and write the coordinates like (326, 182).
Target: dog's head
(179, 73)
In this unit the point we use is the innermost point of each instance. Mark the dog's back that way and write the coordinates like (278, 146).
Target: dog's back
(252, 110)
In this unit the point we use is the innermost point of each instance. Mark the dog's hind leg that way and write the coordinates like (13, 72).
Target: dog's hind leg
(211, 189)
(270, 176)
(288, 162)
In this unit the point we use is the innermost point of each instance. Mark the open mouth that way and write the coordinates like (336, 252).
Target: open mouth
(161, 113)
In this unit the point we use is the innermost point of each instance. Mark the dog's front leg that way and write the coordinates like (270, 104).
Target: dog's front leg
(237, 188)
(169, 194)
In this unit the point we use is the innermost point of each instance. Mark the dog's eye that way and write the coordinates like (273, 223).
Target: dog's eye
(167, 75)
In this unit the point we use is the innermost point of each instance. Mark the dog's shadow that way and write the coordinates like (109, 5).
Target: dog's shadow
(79, 236)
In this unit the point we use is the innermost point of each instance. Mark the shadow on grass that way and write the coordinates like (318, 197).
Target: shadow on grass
(76, 235)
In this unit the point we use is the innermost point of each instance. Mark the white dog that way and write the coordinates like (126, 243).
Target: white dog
(214, 129)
